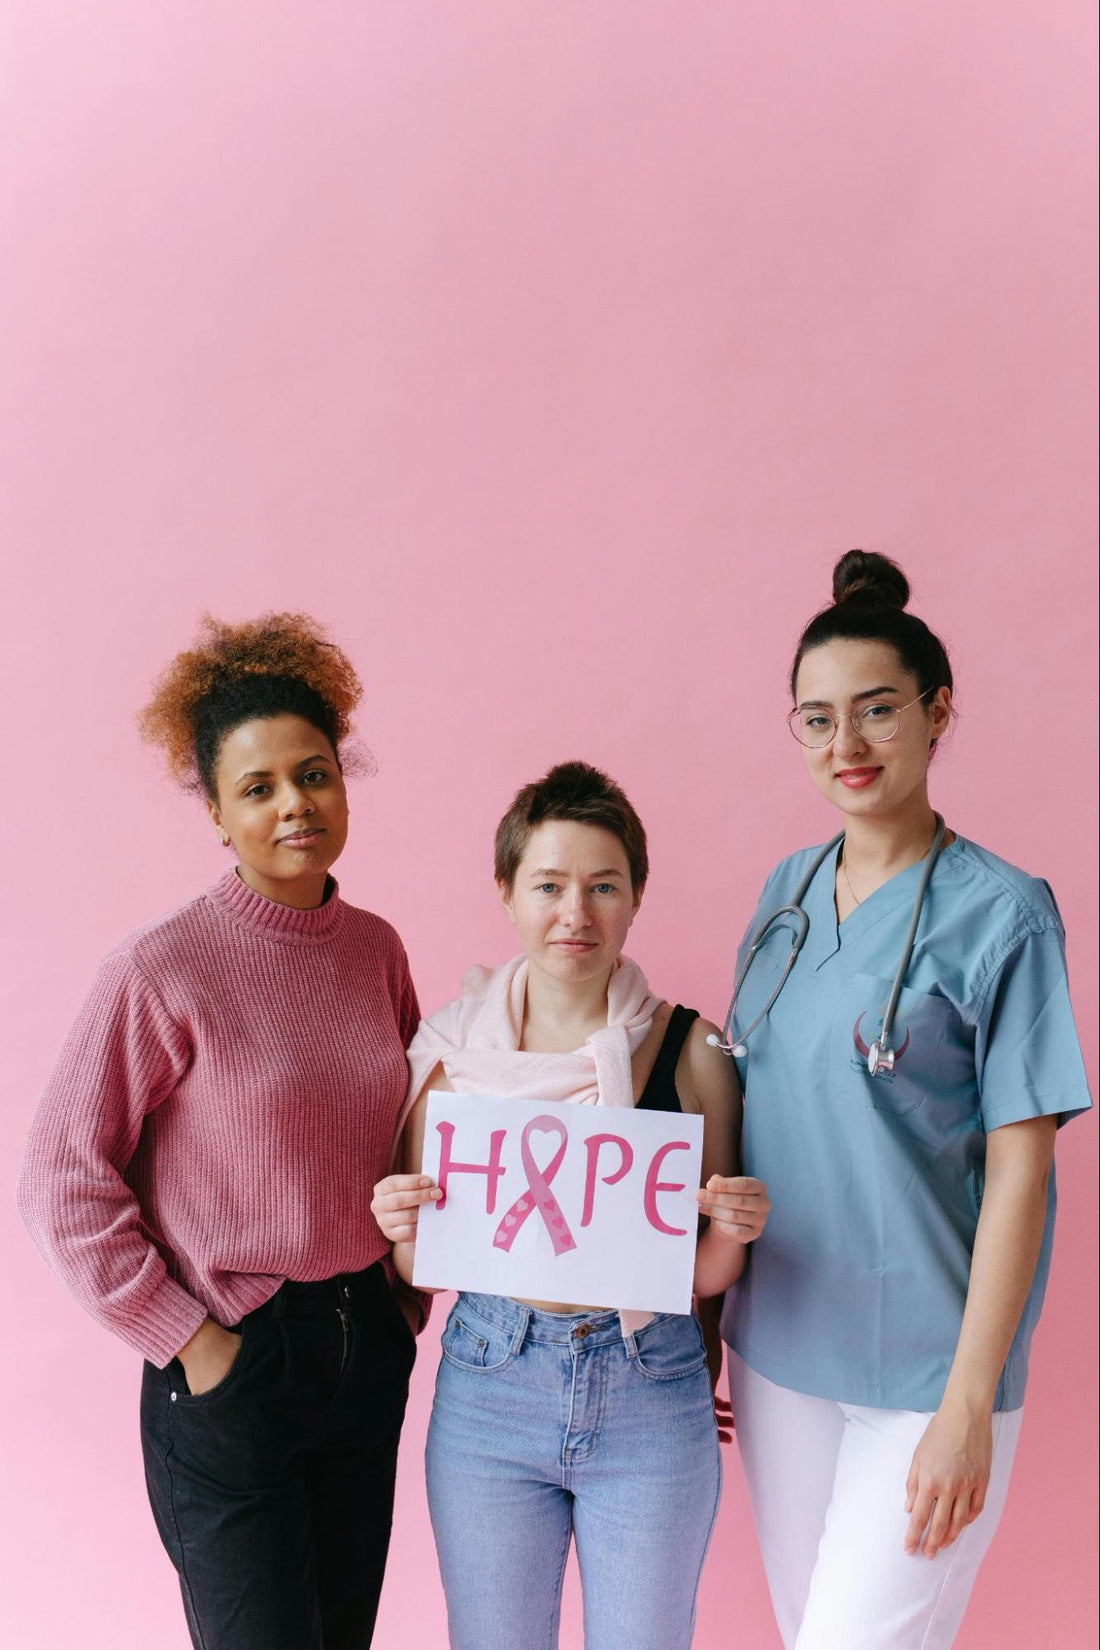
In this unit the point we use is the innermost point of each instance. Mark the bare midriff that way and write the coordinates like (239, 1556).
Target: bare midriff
(564, 1307)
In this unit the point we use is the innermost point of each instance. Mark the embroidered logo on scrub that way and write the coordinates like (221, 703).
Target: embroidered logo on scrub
(863, 1049)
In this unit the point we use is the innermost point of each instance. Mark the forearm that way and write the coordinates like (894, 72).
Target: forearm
(1006, 1248)
(404, 1255)
(719, 1261)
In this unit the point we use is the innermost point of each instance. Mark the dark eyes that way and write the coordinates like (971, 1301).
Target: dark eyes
(312, 777)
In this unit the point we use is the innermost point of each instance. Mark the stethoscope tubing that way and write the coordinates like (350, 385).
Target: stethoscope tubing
(880, 1059)
(911, 935)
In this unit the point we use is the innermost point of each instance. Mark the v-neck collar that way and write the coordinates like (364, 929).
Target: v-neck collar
(826, 936)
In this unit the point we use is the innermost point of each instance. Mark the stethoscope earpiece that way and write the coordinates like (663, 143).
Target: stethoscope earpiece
(714, 1041)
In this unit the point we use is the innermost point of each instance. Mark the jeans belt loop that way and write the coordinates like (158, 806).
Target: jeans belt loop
(520, 1333)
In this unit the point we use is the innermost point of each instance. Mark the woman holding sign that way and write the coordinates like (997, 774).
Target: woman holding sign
(556, 1419)
(198, 1166)
(907, 1047)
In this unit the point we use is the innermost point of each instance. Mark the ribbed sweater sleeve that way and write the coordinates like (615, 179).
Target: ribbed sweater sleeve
(408, 1010)
(123, 1056)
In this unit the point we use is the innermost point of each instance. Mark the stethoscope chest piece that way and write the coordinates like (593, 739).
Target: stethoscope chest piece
(880, 1060)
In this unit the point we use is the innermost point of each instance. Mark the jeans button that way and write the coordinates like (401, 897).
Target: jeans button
(582, 1330)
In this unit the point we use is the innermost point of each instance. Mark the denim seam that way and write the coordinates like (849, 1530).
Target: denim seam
(184, 1577)
(565, 1462)
(554, 1625)
(710, 1532)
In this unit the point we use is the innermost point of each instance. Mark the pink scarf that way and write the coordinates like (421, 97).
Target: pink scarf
(477, 1040)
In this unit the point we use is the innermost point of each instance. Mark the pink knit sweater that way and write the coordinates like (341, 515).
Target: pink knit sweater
(220, 1113)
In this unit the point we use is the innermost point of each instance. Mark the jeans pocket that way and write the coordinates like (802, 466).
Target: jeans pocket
(182, 1394)
(474, 1345)
(670, 1348)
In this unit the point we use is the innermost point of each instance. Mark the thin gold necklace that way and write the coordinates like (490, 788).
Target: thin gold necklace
(848, 880)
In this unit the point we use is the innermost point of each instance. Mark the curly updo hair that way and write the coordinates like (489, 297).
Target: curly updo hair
(576, 791)
(279, 664)
(870, 595)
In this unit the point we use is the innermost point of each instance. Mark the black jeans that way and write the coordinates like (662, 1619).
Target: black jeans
(273, 1492)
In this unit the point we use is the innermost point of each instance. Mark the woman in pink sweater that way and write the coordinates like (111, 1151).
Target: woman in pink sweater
(199, 1171)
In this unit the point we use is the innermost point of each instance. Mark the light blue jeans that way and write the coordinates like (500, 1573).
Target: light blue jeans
(545, 1426)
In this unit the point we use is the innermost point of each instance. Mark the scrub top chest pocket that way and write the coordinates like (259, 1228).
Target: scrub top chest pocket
(921, 1041)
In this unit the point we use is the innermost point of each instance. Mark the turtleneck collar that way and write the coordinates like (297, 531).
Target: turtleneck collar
(243, 906)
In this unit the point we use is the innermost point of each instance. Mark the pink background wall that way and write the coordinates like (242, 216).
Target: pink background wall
(548, 353)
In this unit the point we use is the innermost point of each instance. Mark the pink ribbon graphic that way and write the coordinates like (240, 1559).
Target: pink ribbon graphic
(538, 1195)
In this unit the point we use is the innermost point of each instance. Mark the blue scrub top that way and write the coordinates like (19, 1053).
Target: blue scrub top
(855, 1290)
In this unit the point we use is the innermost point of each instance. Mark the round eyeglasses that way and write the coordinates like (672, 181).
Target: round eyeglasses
(875, 722)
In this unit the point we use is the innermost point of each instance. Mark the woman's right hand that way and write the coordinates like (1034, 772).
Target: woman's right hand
(397, 1201)
(209, 1356)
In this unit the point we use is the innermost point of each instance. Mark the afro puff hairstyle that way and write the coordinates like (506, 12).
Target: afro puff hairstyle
(278, 664)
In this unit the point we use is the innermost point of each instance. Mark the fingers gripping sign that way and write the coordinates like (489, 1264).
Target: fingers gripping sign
(397, 1201)
(736, 1205)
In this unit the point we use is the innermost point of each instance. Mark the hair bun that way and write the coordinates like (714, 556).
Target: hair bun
(868, 577)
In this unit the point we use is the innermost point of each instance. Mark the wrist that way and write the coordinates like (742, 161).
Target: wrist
(206, 1332)
(967, 1402)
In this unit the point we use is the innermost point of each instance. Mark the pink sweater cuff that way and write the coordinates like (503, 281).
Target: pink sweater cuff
(163, 1323)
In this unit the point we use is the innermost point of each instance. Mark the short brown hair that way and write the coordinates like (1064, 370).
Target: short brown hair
(577, 791)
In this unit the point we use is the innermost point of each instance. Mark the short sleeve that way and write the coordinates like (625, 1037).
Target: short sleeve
(1027, 1056)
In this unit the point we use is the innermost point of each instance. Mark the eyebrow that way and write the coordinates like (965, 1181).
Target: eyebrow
(824, 704)
(549, 871)
(266, 773)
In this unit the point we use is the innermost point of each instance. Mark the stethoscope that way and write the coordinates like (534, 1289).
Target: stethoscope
(880, 1055)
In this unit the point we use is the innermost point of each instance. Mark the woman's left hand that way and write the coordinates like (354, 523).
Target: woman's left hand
(948, 1479)
(736, 1205)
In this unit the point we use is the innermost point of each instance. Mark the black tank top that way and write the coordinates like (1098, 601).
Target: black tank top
(659, 1093)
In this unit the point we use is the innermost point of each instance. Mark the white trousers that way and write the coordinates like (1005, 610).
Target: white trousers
(827, 1485)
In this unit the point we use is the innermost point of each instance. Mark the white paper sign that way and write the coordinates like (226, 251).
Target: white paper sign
(594, 1204)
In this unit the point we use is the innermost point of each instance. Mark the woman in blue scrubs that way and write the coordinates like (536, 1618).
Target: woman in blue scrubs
(879, 1338)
